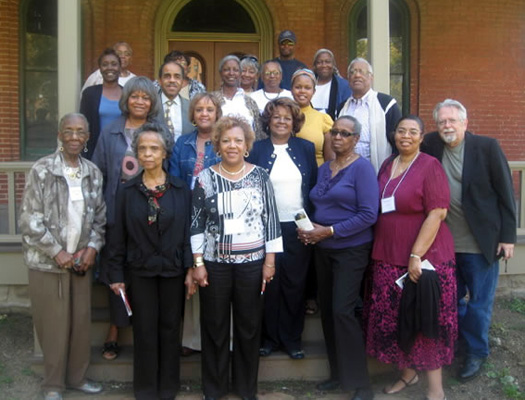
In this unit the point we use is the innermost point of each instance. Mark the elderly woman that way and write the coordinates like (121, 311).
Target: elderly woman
(271, 76)
(100, 103)
(249, 73)
(151, 241)
(290, 161)
(415, 197)
(193, 153)
(331, 89)
(117, 161)
(62, 225)
(345, 200)
(234, 102)
(235, 235)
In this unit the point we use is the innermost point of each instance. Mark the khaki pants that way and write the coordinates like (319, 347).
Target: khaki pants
(61, 305)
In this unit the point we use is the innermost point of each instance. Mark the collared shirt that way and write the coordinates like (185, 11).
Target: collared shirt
(360, 110)
(237, 106)
(175, 114)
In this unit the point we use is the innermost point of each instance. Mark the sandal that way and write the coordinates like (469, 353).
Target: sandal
(311, 307)
(411, 382)
(110, 351)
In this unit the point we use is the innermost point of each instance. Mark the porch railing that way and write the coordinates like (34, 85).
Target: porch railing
(12, 181)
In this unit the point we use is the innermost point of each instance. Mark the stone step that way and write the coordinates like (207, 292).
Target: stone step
(277, 366)
(100, 325)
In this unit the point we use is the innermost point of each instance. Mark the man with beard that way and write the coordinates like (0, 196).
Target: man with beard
(482, 218)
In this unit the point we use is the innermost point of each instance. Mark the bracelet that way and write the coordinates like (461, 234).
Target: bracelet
(269, 266)
(412, 255)
(198, 260)
(332, 230)
(198, 264)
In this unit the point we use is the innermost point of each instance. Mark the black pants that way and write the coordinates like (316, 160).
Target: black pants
(339, 274)
(284, 297)
(236, 287)
(157, 309)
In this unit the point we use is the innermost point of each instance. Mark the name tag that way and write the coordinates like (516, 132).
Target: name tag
(75, 193)
(388, 204)
(232, 226)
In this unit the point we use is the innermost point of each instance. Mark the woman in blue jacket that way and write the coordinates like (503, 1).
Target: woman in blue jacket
(291, 164)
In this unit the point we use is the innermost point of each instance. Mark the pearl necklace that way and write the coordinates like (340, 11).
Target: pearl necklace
(222, 169)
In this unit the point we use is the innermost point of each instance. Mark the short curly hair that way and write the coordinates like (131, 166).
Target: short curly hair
(165, 136)
(140, 84)
(297, 115)
(229, 122)
(204, 95)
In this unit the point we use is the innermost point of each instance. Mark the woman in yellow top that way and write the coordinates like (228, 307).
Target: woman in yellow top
(316, 125)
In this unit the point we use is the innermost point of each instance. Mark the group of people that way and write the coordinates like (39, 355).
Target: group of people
(202, 192)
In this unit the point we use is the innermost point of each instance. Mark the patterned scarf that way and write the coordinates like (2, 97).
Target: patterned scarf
(153, 203)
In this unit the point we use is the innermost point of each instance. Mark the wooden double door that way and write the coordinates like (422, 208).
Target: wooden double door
(207, 55)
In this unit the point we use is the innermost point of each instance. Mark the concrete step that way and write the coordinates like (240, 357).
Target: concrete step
(100, 325)
(277, 366)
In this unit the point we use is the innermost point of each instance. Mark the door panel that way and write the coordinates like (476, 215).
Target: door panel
(210, 53)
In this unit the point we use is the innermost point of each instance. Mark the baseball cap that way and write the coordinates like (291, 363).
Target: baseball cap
(287, 35)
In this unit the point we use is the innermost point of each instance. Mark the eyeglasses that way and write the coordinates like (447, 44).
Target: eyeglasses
(250, 58)
(451, 121)
(272, 73)
(123, 53)
(69, 133)
(359, 71)
(342, 133)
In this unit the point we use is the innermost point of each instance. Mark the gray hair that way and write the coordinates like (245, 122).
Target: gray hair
(264, 64)
(360, 59)
(72, 115)
(250, 63)
(229, 57)
(462, 111)
(165, 137)
(140, 84)
(331, 54)
(123, 44)
(357, 124)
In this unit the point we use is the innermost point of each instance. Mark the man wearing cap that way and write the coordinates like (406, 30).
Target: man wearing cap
(289, 63)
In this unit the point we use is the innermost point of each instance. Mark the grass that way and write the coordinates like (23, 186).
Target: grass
(516, 305)
(509, 385)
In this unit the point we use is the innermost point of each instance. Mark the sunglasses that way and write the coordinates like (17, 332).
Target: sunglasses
(345, 134)
(251, 58)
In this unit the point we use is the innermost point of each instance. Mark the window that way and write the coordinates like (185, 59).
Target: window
(39, 78)
(225, 16)
(399, 46)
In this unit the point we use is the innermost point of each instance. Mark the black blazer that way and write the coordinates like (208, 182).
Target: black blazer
(487, 194)
(160, 249)
(89, 105)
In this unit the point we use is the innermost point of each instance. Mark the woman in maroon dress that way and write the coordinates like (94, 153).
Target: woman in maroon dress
(415, 197)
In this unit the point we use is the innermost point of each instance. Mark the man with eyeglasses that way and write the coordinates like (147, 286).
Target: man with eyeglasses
(289, 63)
(125, 54)
(377, 112)
(482, 219)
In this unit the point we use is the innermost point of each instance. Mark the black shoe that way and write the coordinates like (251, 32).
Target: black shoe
(296, 354)
(265, 351)
(471, 369)
(327, 386)
(363, 394)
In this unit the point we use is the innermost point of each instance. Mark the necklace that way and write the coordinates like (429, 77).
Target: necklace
(72, 172)
(339, 166)
(222, 169)
(272, 98)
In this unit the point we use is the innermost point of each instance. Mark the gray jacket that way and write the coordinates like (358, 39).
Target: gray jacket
(43, 216)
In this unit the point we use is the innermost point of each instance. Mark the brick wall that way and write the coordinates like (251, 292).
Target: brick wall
(9, 110)
(471, 50)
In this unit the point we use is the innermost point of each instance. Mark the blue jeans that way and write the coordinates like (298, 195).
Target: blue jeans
(479, 279)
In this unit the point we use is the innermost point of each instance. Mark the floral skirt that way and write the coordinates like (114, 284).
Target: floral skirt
(380, 317)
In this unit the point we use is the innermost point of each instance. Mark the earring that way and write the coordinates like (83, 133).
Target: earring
(193, 123)
(246, 154)
(218, 154)
(61, 149)
(85, 148)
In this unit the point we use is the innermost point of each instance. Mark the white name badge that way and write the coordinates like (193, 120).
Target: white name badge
(388, 204)
(232, 226)
(75, 193)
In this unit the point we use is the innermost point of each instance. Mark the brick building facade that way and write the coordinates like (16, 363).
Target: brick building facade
(470, 50)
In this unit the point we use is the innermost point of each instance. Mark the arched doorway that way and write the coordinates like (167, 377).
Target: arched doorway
(208, 30)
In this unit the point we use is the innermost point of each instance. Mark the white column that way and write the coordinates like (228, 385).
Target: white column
(69, 56)
(379, 43)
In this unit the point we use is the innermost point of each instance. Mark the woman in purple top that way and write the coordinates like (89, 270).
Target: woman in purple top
(415, 197)
(346, 202)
